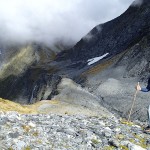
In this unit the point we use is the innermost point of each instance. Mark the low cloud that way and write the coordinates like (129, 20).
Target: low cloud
(50, 21)
(137, 3)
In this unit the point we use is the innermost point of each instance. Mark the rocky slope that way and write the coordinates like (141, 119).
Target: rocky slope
(61, 125)
(32, 132)
(115, 85)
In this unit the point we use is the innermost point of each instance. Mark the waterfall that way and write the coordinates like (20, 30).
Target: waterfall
(32, 94)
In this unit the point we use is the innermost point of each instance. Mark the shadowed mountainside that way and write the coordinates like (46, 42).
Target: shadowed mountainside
(112, 37)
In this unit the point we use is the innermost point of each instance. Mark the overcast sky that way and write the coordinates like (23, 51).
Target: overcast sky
(51, 20)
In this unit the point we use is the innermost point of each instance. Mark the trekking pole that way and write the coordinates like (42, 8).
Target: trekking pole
(132, 104)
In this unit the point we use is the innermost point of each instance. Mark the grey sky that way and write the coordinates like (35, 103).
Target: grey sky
(51, 20)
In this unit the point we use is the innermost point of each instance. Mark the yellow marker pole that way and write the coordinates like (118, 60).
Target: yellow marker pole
(132, 104)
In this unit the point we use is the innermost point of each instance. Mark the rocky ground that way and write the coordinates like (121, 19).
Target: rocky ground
(117, 93)
(69, 132)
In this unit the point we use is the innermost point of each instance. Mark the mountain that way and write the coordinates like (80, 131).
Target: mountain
(107, 63)
(112, 37)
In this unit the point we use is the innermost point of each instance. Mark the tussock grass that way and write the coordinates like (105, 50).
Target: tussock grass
(45, 107)
(6, 105)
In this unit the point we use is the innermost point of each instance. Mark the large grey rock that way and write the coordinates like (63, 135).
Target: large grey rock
(14, 135)
(135, 147)
(3, 120)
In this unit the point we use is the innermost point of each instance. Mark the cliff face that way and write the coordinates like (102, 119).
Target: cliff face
(21, 68)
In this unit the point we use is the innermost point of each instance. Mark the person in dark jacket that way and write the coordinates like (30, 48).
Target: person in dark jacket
(145, 89)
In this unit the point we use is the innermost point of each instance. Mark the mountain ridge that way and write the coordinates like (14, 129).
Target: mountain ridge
(117, 31)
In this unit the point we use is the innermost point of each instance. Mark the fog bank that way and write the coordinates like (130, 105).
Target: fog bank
(50, 21)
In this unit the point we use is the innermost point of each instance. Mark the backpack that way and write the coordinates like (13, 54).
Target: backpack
(148, 84)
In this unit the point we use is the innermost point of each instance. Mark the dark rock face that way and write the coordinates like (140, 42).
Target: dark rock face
(137, 59)
(24, 77)
(114, 36)
(30, 86)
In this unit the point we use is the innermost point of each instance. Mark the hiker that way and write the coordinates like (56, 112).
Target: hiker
(146, 89)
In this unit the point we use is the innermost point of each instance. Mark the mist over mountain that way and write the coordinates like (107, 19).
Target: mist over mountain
(48, 22)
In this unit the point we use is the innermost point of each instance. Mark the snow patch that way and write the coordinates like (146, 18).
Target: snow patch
(96, 59)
